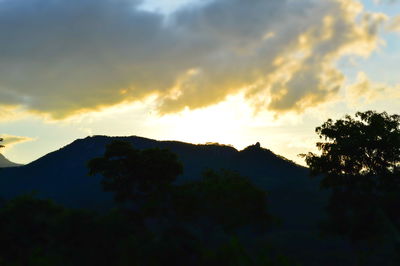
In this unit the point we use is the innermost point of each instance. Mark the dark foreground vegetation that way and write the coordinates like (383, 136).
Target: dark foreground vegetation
(223, 218)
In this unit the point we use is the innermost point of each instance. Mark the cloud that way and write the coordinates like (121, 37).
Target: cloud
(9, 140)
(394, 24)
(10, 112)
(385, 1)
(71, 56)
(364, 91)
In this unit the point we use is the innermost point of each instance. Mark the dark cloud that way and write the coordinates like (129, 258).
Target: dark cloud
(67, 56)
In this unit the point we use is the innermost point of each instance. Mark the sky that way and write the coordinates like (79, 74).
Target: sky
(228, 71)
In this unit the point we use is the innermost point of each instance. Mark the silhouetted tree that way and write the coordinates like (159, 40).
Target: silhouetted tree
(132, 173)
(1, 146)
(360, 163)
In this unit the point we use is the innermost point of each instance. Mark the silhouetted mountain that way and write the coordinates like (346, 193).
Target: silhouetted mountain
(62, 175)
(292, 196)
(4, 162)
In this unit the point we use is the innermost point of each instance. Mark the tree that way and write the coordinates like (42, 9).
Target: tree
(1, 146)
(360, 163)
(132, 173)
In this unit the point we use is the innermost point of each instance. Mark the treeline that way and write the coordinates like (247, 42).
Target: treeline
(204, 222)
(38, 232)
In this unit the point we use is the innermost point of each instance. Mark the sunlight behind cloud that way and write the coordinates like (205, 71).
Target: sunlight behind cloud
(219, 123)
(231, 122)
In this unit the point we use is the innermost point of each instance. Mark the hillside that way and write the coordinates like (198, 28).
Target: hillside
(4, 162)
(293, 196)
(62, 174)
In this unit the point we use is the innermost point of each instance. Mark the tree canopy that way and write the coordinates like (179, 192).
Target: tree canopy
(362, 152)
(360, 162)
(132, 173)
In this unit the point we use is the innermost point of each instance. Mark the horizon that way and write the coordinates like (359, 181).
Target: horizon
(223, 71)
(158, 140)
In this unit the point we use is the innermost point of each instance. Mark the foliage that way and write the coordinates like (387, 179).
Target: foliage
(360, 162)
(132, 173)
(361, 153)
(26, 226)
(224, 197)
(39, 232)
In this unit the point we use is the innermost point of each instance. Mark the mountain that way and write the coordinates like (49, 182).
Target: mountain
(62, 174)
(4, 162)
(65, 171)
(293, 196)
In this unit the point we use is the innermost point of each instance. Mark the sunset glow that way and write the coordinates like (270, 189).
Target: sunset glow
(228, 71)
